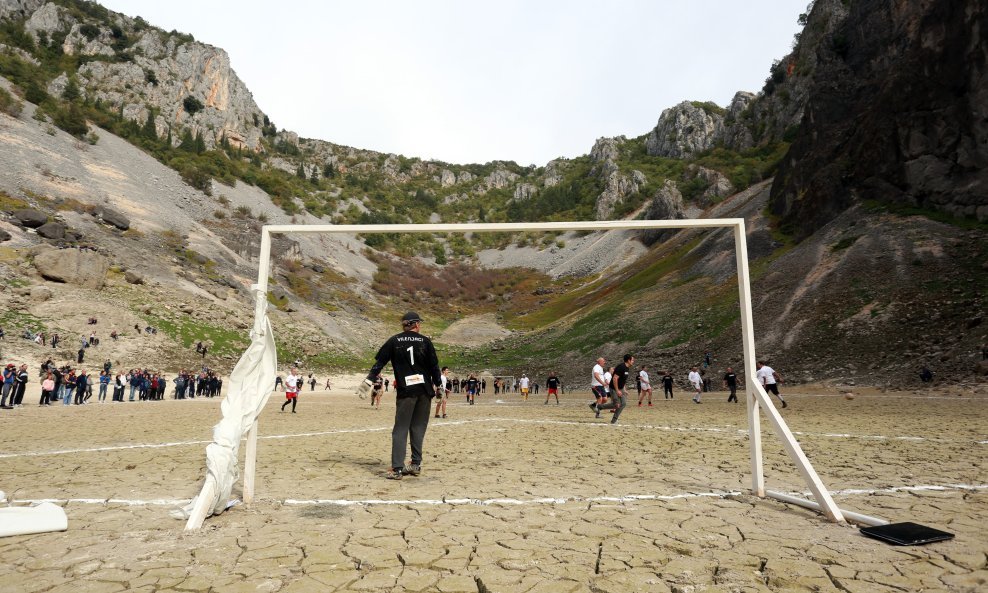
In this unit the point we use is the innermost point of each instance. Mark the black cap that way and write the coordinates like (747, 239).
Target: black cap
(411, 317)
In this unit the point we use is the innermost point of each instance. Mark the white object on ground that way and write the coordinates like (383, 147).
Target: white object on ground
(37, 519)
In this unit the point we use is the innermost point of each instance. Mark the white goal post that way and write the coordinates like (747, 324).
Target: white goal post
(251, 380)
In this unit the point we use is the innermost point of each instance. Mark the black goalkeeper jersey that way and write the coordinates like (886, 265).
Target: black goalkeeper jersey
(415, 364)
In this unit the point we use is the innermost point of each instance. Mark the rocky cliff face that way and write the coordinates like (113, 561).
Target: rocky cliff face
(685, 130)
(184, 84)
(897, 112)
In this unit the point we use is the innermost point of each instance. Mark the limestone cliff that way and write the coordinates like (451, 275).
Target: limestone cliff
(897, 112)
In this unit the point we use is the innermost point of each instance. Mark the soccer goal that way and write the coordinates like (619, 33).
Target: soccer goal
(254, 374)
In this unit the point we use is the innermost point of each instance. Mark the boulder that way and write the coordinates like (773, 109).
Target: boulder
(40, 294)
(112, 217)
(4, 236)
(52, 230)
(133, 277)
(72, 266)
(30, 218)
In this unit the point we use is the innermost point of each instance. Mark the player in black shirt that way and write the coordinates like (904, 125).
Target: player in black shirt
(667, 384)
(618, 395)
(416, 369)
(552, 387)
(731, 382)
(473, 386)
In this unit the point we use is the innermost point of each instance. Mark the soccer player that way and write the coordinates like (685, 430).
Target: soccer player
(443, 392)
(697, 382)
(552, 387)
(618, 394)
(417, 376)
(770, 380)
(646, 387)
(523, 383)
(667, 382)
(377, 392)
(473, 386)
(731, 382)
(291, 389)
(597, 383)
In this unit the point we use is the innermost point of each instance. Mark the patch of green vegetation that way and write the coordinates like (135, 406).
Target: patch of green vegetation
(932, 214)
(650, 276)
(9, 203)
(14, 322)
(187, 331)
(331, 359)
(844, 243)
(710, 107)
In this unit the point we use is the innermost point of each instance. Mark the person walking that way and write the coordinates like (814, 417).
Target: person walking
(667, 382)
(770, 380)
(444, 390)
(645, 387)
(697, 382)
(523, 384)
(417, 375)
(619, 378)
(731, 382)
(597, 383)
(292, 386)
(377, 392)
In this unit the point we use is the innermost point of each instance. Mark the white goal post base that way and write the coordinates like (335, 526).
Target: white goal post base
(757, 398)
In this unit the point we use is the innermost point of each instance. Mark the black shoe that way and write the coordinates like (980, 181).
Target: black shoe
(393, 474)
(593, 406)
(784, 404)
(412, 469)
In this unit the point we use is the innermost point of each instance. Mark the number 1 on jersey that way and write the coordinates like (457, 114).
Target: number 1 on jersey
(411, 355)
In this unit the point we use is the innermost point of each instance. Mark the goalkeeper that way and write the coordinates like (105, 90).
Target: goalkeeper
(416, 369)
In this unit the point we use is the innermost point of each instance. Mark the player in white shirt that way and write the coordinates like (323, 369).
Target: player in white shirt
(291, 389)
(697, 382)
(646, 387)
(443, 394)
(770, 380)
(523, 385)
(597, 384)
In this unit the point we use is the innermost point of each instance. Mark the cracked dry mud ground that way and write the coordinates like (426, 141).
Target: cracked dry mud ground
(513, 497)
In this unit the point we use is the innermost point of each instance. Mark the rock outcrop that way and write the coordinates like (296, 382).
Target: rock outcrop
(898, 113)
(666, 205)
(72, 266)
(685, 130)
(19, 8)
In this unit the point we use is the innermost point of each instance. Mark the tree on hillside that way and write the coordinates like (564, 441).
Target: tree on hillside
(192, 105)
(71, 91)
(149, 130)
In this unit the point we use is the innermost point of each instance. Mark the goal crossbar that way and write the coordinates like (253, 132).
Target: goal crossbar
(757, 398)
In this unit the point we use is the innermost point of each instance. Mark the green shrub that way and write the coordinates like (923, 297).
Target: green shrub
(192, 105)
(9, 104)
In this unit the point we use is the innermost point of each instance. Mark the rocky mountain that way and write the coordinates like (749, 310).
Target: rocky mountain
(897, 112)
(138, 170)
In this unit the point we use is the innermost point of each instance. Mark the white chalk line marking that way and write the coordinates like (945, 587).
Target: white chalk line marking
(727, 430)
(512, 501)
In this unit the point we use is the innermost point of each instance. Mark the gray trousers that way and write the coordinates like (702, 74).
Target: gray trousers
(411, 418)
(617, 404)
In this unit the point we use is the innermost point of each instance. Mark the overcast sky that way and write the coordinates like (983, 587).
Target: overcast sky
(464, 81)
